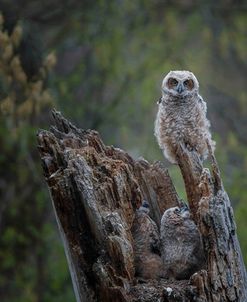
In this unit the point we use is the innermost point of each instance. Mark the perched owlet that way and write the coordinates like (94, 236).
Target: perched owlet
(148, 263)
(181, 246)
(181, 117)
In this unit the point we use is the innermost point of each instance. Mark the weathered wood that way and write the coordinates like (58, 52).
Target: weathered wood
(95, 191)
(225, 278)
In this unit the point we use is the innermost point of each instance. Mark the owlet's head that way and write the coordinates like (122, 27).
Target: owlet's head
(180, 83)
(176, 215)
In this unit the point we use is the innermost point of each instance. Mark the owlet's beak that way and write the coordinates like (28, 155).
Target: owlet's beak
(180, 88)
(184, 210)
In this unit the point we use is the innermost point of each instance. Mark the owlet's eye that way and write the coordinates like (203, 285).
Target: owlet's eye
(177, 210)
(172, 82)
(189, 84)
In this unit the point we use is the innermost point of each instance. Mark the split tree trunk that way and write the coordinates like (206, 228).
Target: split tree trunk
(95, 191)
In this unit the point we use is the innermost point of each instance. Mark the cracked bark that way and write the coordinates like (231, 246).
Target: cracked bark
(95, 190)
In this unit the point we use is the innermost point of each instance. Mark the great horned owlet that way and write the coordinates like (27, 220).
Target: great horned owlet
(181, 118)
(181, 246)
(148, 263)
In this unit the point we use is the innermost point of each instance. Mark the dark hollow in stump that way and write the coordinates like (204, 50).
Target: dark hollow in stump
(95, 191)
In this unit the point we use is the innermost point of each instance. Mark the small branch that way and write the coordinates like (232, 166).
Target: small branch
(191, 169)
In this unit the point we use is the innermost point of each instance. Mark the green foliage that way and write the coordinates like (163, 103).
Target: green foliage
(27, 227)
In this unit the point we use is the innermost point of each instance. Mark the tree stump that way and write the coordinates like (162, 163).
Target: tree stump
(95, 190)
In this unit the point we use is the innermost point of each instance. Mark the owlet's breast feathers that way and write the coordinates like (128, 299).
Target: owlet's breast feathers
(181, 117)
(181, 244)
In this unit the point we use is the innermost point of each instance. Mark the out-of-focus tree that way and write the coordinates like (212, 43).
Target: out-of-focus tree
(28, 263)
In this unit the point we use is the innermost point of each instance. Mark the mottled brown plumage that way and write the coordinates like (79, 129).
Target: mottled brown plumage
(181, 118)
(181, 246)
(148, 263)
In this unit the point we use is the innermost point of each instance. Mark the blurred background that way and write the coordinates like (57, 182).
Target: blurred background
(101, 63)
